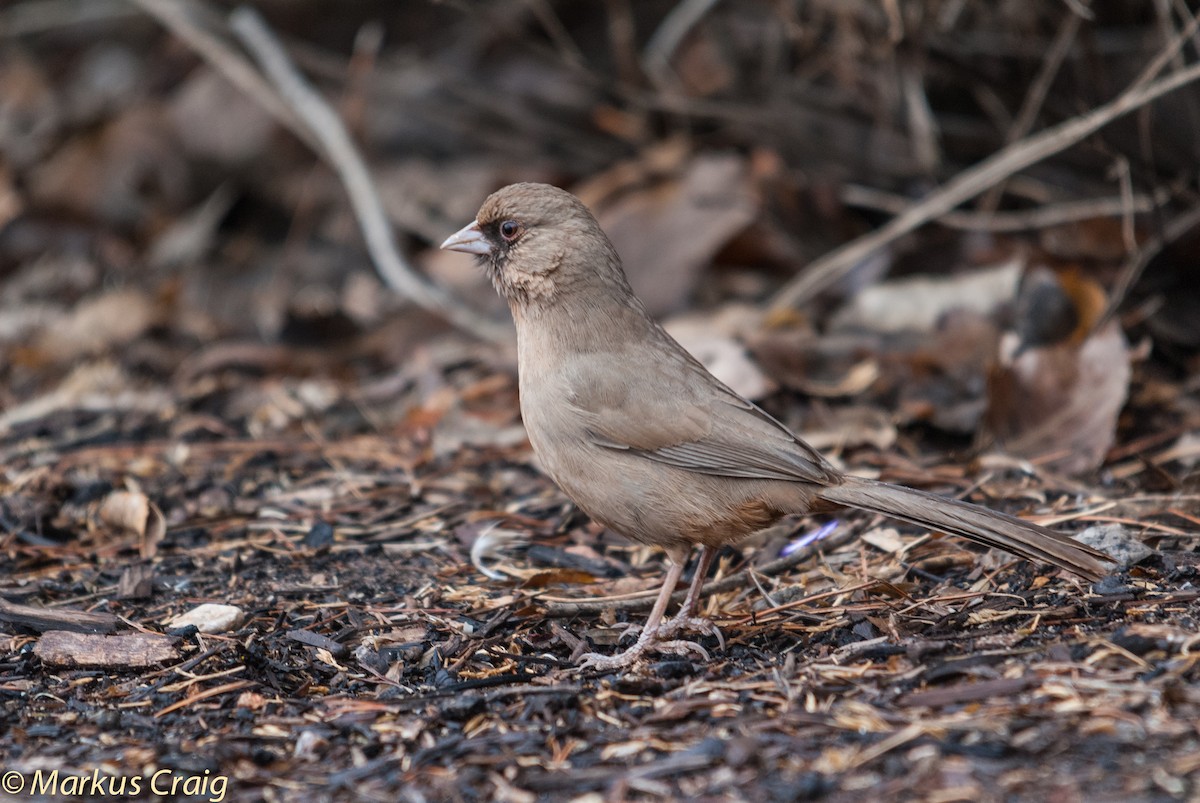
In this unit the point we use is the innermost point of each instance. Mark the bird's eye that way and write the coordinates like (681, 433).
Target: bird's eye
(510, 229)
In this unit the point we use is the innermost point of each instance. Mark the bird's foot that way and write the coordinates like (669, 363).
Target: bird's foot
(656, 640)
(696, 624)
(637, 652)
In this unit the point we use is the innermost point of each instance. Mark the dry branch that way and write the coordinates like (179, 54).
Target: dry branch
(827, 270)
(296, 105)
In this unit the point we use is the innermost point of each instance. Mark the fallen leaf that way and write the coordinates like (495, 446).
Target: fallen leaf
(1117, 541)
(669, 216)
(133, 513)
(917, 303)
(555, 577)
(1060, 401)
(98, 324)
(216, 121)
(723, 356)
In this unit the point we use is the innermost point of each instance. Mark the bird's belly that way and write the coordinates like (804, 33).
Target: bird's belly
(659, 504)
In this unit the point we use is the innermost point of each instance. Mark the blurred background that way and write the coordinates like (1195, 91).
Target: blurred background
(161, 233)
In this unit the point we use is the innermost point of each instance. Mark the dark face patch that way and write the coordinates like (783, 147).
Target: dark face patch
(501, 247)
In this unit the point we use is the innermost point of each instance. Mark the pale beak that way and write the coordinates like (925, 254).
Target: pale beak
(469, 240)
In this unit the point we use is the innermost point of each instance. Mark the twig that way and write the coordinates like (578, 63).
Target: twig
(1023, 220)
(306, 114)
(1036, 96)
(193, 25)
(1137, 263)
(926, 150)
(966, 185)
(561, 607)
(339, 149)
(656, 58)
(217, 691)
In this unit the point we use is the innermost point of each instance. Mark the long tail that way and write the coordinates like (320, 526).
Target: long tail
(970, 521)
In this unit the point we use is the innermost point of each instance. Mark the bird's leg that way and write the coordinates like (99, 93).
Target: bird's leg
(656, 634)
(686, 618)
(650, 637)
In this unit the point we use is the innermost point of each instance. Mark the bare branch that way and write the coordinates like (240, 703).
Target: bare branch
(827, 270)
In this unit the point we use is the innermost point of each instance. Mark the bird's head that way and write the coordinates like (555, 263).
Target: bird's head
(538, 243)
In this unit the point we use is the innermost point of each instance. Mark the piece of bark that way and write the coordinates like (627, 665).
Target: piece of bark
(963, 693)
(45, 619)
(130, 650)
(137, 582)
(322, 642)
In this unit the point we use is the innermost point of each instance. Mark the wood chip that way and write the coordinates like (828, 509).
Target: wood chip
(44, 619)
(131, 650)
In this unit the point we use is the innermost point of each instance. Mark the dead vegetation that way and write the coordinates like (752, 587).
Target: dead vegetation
(950, 242)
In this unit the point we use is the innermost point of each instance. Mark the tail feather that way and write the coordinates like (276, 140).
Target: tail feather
(972, 522)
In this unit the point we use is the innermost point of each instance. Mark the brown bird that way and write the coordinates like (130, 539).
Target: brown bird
(645, 440)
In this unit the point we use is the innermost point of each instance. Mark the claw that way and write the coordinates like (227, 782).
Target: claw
(696, 624)
(680, 647)
(656, 640)
(630, 631)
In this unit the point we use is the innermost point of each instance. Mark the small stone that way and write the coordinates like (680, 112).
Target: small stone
(1115, 540)
(211, 618)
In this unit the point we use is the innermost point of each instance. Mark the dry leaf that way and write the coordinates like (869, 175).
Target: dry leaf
(669, 215)
(111, 175)
(98, 324)
(218, 122)
(555, 577)
(722, 355)
(825, 366)
(1060, 400)
(133, 513)
(917, 303)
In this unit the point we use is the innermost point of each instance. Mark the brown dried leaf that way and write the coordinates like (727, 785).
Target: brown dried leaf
(826, 366)
(29, 110)
(133, 513)
(108, 176)
(1060, 401)
(669, 215)
(216, 121)
(97, 324)
(558, 577)
(722, 355)
(11, 204)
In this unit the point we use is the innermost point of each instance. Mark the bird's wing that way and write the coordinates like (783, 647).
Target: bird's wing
(678, 414)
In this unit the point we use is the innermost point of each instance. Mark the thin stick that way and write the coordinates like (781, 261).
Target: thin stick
(827, 270)
(560, 607)
(303, 112)
(1036, 96)
(191, 23)
(656, 58)
(1023, 220)
(338, 147)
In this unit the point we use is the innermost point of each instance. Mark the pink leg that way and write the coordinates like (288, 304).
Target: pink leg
(653, 633)
(693, 596)
(686, 619)
(594, 660)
